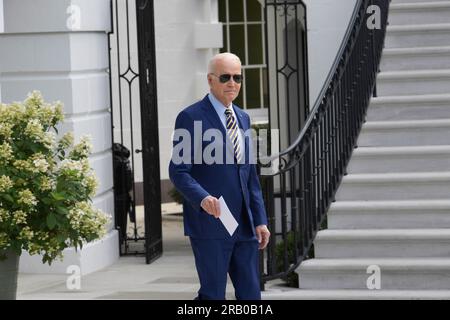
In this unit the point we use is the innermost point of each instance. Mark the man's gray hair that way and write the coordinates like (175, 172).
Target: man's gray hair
(221, 56)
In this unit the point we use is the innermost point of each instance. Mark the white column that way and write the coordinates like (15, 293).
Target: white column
(208, 41)
(60, 48)
(187, 34)
(1, 16)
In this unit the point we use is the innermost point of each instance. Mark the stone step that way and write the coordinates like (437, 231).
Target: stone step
(414, 107)
(405, 214)
(396, 273)
(404, 133)
(372, 243)
(395, 186)
(417, 82)
(400, 159)
(418, 58)
(365, 294)
(419, 13)
(418, 35)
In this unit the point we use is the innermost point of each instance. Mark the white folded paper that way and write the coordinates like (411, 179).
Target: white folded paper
(227, 218)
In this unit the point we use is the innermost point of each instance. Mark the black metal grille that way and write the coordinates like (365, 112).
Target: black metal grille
(133, 99)
(299, 193)
(287, 60)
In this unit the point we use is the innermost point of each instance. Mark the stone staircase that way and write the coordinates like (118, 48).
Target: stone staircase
(392, 210)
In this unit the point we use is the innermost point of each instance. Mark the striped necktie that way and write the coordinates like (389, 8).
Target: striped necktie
(233, 133)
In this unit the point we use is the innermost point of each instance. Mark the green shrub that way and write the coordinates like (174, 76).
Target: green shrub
(292, 277)
(176, 195)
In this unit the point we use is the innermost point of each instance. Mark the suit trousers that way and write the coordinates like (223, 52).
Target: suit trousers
(214, 258)
(237, 256)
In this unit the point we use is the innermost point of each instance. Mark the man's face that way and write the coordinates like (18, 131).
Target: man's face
(225, 92)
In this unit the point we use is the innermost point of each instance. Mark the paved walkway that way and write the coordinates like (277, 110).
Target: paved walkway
(173, 276)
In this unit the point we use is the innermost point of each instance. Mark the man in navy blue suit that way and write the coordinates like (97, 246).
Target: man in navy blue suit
(203, 181)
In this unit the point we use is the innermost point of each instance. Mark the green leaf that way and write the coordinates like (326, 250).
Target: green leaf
(34, 147)
(58, 196)
(61, 238)
(51, 221)
(20, 181)
(46, 201)
(8, 197)
(62, 210)
(61, 185)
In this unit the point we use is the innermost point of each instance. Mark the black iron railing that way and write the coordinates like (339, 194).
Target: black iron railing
(309, 171)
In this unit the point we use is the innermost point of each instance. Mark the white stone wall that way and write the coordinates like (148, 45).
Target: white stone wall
(1, 18)
(44, 48)
(187, 35)
(327, 23)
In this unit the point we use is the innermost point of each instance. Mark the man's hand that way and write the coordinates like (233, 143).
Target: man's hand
(263, 235)
(211, 205)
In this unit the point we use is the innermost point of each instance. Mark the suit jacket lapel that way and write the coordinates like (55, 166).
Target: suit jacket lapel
(212, 116)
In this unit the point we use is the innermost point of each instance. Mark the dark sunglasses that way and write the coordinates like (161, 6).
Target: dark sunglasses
(224, 78)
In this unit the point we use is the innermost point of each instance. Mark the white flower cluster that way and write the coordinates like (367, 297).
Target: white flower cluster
(49, 140)
(87, 219)
(35, 107)
(40, 162)
(6, 130)
(12, 113)
(90, 183)
(83, 148)
(26, 234)
(27, 197)
(19, 217)
(24, 165)
(47, 184)
(5, 152)
(35, 130)
(5, 183)
(4, 215)
(66, 141)
(71, 167)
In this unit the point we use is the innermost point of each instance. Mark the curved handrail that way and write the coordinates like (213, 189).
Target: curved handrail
(324, 89)
(310, 170)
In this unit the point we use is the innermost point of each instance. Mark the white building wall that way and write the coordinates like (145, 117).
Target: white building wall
(1, 17)
(38, 51)
(327, 23)
(187, 35)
